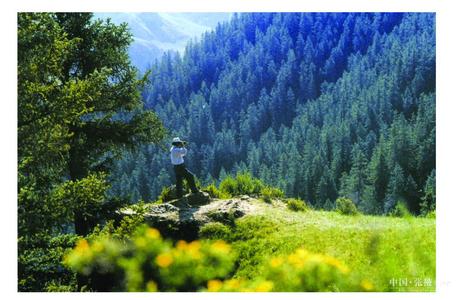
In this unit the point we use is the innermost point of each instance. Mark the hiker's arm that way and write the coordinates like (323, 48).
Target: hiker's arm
(183, 151)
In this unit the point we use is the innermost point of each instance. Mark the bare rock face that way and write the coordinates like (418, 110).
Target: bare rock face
(182, 218)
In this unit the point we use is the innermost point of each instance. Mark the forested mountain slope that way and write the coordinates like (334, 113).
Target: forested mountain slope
(318, 104)
(156, 33)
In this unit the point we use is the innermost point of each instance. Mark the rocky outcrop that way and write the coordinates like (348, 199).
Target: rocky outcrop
(182, 218)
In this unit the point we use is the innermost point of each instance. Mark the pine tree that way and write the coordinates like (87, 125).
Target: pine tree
(378, 171)
(326, 189)
(395, 189)
(428, 202)
(358, 176)
(95, 90)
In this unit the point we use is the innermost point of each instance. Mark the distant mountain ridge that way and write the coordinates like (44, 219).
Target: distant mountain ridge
(156, 33)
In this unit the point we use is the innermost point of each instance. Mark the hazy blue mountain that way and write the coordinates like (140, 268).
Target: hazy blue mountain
(155, 33)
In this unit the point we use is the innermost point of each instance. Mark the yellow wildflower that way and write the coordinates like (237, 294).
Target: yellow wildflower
(221, 246)
(82, 245)
(152, 286)
(214, 285)
(265, 286)
(295, 260)
(302, 253)
(232, 283)
(196, 254)
(98, 246)
(336, 263)
(192, 249)
(316, 259)
(366, 285)
(276, 262)
(194, 246)
(182, 245)
(164, 260)
(153, 233)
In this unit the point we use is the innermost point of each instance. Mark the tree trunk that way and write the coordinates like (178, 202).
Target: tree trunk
(76, 172)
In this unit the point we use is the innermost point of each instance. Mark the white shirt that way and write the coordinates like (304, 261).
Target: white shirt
(177, 155)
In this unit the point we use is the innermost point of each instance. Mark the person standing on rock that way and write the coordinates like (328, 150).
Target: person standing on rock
(178, 151)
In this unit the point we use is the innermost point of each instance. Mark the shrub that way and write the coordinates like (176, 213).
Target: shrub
(214, 192)
(269, 193)
(431, 214)
(169, 193)
(400, 210)
(146, 262)
(40, 265)
(296, 205)
(165, 195)
(246, 184)
(86, 195)
(242, 184)
(58, 286)
(126, 226)
(346, 206)
(215, 230)
(229, 186)
(328, 205)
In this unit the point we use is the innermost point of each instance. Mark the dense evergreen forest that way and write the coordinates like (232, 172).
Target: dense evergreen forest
(320, 105)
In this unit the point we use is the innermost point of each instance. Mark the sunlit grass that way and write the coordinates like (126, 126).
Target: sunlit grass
(390, 253)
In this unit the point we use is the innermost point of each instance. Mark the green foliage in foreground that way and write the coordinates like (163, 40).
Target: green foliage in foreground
(378, 251)
(40, 268)
(146, 262)
(274, 250)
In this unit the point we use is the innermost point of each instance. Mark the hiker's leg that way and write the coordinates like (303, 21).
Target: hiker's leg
(190, 179)
(178, 182)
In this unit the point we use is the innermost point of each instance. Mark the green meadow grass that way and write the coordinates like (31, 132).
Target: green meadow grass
(393, 254)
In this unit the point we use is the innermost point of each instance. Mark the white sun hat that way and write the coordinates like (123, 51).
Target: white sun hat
(176, 140)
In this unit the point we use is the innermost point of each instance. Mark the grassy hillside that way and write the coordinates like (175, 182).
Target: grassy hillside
(271, 248)
(248, 237)
(381, 251)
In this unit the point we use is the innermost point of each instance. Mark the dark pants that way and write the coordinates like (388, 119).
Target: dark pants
(182, 172)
